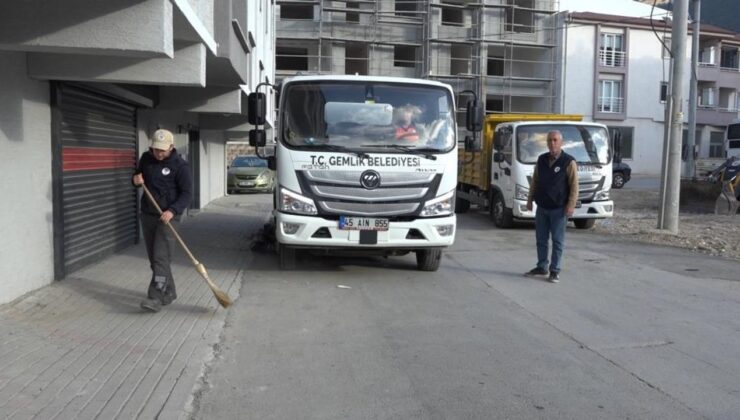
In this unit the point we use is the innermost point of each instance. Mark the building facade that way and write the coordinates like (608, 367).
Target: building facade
(617, 72)
(83, 86)
(504, 50)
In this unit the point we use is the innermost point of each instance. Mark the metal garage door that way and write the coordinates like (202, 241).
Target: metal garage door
(95, 205)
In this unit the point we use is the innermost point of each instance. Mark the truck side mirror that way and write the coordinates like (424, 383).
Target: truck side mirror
(474, 116)
(256, 108)
(617, 146)
(472, 144)
(257, 138)
(271, 163)
(498, 157)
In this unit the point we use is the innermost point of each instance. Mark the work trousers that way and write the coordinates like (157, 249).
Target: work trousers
(159, 242)
(550, 223)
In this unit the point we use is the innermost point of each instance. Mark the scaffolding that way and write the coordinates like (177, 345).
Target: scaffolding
(505, 50)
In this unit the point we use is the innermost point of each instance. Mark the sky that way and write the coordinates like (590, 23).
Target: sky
(610, 7)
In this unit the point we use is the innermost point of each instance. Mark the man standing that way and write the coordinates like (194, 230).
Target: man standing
(168, 178)
(554, 188)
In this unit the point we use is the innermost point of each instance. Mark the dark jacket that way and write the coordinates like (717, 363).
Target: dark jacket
(169, 181)
(553, 188)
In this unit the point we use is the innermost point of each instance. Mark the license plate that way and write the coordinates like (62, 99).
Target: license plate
(362, 223)
(246, 184)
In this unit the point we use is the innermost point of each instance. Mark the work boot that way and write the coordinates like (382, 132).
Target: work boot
(153, 305)
(536, 272)
(168, 298)
(554, 277)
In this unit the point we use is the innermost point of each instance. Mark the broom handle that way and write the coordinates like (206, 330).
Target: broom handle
(179, 239)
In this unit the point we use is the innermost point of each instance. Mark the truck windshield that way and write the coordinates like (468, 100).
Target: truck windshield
(364, 116)
(587, 144)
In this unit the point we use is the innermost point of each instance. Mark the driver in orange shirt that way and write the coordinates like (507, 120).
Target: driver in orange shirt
(405, 128)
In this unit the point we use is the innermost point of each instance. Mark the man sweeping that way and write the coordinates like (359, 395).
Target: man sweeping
(168, 178)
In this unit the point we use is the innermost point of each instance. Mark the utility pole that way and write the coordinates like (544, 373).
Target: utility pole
(672, 176)
(689, 170)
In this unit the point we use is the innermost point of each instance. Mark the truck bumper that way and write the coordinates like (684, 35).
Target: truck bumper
(420, 233)
(592, 210)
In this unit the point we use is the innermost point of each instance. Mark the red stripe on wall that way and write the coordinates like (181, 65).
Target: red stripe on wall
(85, 159)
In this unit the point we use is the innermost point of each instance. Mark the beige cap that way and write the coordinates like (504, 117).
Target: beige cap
(162, 139)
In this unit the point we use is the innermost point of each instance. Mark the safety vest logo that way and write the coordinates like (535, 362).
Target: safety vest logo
(165, 171)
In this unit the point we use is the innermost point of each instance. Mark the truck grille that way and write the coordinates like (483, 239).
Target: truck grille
(341, 193)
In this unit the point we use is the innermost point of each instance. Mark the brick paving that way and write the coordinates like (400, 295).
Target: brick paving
(82, 348)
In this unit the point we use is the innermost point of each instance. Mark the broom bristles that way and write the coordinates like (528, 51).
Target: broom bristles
(223, 299)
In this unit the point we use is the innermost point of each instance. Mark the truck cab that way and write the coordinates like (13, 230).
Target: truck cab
(365, 165)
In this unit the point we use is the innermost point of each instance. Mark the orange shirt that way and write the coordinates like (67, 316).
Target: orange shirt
(407, 133)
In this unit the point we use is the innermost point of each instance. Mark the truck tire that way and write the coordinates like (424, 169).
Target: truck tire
(461, 205)
(287, 257)
(584, 223)
(428, 259)
(618, 180)
(502, 217)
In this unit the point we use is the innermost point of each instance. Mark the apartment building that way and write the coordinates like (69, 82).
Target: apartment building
(83, 84)
(617, 69)
(504, 50)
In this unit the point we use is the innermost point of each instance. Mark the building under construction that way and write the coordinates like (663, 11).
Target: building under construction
(504, 50)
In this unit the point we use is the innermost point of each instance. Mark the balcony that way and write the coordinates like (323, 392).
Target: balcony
(612, 58)
(610, 105)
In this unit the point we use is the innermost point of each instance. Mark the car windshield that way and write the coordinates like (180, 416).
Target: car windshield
(363, 116)
(248, 162)
(587, 144)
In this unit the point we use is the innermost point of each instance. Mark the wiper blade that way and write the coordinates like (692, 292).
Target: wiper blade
(407, 149)
(592, 163)
(336, 148)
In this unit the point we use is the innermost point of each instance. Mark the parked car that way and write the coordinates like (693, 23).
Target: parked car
(249, 173)
(621, 173)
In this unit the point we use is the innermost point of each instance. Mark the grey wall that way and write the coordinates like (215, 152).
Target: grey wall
(26, 251)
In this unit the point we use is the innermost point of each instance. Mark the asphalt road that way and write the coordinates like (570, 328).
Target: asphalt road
(632, 331)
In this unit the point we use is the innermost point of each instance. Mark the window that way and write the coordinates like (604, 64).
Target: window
(406, 8)
(666, 51)
(611, 50)
(663, 91)
(352, 17)
(355, 58)
(296, 11)
(291, 58)
(706, 97)
(729, 58)
(627, 139)
(520, 16)
(716, 144)
(495, 66)
(494, 104)
(404, 56)
(451, 15)
(459, 59)
(610, 96)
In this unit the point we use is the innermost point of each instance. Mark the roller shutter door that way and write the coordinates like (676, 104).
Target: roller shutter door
(95, 155)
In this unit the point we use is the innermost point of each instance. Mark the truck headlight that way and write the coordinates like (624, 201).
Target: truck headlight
(440, 206)
(291, 202)
(602, 196)
(521, 192)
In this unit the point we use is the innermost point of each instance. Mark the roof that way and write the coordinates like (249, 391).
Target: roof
(706, 28)
(355, 78)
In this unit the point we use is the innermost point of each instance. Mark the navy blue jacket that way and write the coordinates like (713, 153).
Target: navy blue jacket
(553, 188)
(169, 181)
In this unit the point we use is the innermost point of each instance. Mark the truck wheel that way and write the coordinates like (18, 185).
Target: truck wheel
(502, 217)
(428, 259)
(461, 205)
(584, 223)
(617, 180)
(287, 257)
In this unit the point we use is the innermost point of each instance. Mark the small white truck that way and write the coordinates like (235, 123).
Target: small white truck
(498, 177)
(349, 179)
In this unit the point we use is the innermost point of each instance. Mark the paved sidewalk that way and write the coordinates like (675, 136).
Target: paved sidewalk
(82, 348)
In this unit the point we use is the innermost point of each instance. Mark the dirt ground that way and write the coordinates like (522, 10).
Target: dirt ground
(636, 218)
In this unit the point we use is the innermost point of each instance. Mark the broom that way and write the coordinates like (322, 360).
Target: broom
(221, 296)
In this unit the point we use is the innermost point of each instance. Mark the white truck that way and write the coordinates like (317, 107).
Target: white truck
(348, 181)
(498, 178)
